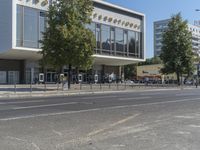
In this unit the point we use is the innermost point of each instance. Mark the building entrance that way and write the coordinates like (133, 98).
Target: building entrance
(51, 77)
(13, 77)
(3, 76)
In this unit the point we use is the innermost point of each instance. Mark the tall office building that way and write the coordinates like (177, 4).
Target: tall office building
(162, 25)
(119, 32)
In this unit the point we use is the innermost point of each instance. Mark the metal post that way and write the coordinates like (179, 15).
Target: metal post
(45, 87)
(80, 86)
(15, 87)
(57, 86)
(31, 87)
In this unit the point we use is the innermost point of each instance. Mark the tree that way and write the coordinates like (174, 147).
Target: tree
(151, 61)
(66, 40)
(177, 54)
(130, 71)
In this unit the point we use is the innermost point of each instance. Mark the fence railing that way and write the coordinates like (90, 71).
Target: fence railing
(80, 87)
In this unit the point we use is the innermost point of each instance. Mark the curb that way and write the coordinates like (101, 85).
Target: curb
(71, 93)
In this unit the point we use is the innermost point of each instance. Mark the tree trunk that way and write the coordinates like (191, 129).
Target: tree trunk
(178, 78)
(77, 73)
(69, 75)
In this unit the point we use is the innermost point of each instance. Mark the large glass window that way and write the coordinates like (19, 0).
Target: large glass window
(91, 27)
(98, 36)
(105, 37)
(119, 38)
(30, 27)
(112, 39)
(141, 46)
(117, 41)
(131, 40)
(42, 26)
(125, 42)
(19, 25)
(137, 47)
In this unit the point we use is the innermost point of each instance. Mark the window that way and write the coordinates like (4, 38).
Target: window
(91, 27)
(30, 25)
(105, 37)
(131, 40)
(119, 37)
(137, 48)
(30, 28)
(19, 25)
(42, 26)
(125, 42)
(98, 36)
(112, 39)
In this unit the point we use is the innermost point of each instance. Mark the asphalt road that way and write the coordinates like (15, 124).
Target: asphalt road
(142, 120)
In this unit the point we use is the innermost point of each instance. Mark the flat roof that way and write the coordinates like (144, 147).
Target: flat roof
(118, 7)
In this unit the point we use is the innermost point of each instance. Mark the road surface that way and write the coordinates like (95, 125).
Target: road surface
(142, 120)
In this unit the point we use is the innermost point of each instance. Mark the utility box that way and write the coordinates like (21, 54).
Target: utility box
(110, 78)
(41, 77)
(96, 78)
(80, 78)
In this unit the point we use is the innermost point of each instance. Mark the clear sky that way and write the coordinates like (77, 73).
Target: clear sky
(158, 10)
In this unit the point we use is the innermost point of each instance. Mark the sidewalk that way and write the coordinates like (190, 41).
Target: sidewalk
(25, 91)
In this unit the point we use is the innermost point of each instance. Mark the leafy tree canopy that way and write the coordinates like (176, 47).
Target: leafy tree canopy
(66, 40)
(177, 54)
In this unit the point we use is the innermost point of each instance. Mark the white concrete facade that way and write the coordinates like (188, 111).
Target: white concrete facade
(104, 14)
(161, 25)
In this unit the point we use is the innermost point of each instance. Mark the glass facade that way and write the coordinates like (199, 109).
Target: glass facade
(117, 41)
(19, 26)
(110, 40)
(30, 25)
(105, 38)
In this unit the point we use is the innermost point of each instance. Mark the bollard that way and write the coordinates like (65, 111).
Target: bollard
(80, 86)
(15, 88)
(31, 87)
(90, 86)
(57, 86)
(100, 87)
(45, 87)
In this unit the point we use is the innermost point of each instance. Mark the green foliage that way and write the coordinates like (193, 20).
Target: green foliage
(151, 61)
(66, 40)
(177, 55)
(130, 71)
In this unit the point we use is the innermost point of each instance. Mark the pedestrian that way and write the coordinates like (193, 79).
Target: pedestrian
(196, 83)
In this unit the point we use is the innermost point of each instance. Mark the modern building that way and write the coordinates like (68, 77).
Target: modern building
(119, 32)
(162, 25)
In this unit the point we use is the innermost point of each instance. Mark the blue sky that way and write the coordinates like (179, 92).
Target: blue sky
(158, 10)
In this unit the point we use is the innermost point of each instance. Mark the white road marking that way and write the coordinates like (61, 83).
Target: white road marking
(48, 105)
(194, 126)
(99, 97)
(186, 94)
(21, 102)
(133, 98)
(143, 94)
(97, 109)
(112, 125)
